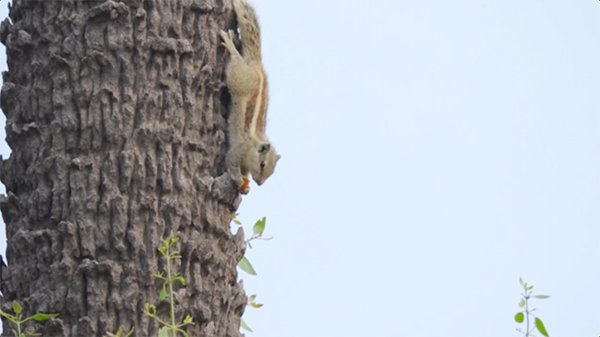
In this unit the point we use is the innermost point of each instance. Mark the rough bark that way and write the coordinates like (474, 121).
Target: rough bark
(116, 114)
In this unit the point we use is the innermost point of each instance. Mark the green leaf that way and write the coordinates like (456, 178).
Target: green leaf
(119, 333)
(541, 297)
(259, 226)
(158, 276)
(116, 334)
(252, 302)
(16, 307)
(540, 326)
(530, 287)
(522, 303)
(163, 293)
(188, 320)
(236, 220)
(519, 317)
(180, 279)
(150, 309)
(8, 316)
(245, 326)
(164, 331)
(41, 317)
(522, 282)
(246, 266)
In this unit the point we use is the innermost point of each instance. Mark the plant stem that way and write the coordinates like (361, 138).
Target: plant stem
(171, 296)
(527, 313)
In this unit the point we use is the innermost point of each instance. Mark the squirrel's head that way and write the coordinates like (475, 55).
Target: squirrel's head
(263, 161)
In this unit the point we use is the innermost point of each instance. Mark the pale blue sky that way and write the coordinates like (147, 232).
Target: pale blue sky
(433, 152)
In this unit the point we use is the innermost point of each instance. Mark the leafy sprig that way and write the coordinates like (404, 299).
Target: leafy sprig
(526, 314)
(169, 327)
(257, 234)
(17, 319)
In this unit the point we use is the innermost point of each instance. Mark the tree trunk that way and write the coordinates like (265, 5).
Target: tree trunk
(116, 114)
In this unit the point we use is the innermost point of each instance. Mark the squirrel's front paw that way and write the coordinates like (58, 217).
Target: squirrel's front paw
(227, 37)
(241, 181)
(244, 188)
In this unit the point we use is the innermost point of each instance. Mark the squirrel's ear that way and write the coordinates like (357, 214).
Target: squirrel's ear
(264, 148)
(278, 156)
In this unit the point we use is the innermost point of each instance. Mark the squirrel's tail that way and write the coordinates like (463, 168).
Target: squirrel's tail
(249, 29)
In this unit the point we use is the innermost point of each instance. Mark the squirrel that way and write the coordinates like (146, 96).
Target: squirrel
(249, 149)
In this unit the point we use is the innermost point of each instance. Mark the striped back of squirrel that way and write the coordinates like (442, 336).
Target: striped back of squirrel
(256, 111)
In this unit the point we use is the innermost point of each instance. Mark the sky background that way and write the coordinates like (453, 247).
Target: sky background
(433, 153)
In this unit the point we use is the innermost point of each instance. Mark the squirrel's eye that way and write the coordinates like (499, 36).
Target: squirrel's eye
(264, 148)
(262, 164)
